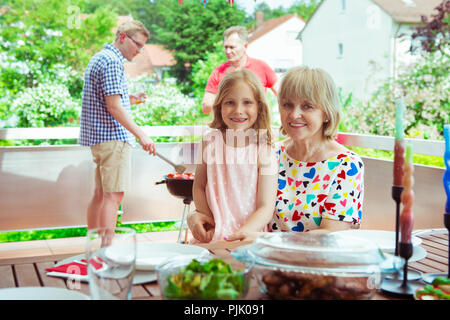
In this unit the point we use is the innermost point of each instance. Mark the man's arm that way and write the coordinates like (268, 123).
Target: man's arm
(208, 101)
(115, 108)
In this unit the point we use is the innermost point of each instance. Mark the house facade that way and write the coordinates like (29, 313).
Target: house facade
(274, 41)
(362, 42)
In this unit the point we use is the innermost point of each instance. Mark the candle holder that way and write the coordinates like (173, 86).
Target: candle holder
(402, 287)
(412, 274)
(396, 195)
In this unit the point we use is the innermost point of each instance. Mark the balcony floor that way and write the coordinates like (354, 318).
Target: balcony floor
(66, 246)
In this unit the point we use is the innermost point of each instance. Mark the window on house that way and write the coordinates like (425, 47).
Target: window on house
(343, 5)
(340, 50)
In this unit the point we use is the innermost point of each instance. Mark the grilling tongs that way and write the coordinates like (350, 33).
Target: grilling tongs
(178, 167)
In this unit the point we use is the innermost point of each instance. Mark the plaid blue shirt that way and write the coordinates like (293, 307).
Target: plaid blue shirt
(104, 76)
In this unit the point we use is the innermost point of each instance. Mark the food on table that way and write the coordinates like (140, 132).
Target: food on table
(188, 176)
(313, 266)
(213, 279)
(296, 285)
(439, 289)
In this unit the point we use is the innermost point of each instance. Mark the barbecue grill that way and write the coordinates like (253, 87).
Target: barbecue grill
(180, 188)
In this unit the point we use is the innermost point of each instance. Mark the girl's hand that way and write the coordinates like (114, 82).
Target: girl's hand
(244, 236)
(201, 226)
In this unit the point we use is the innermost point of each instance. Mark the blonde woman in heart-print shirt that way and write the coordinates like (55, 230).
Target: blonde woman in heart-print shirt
(320, 182)
(311, 191)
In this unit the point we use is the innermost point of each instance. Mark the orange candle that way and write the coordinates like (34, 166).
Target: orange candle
(407, 198)
(399, 148)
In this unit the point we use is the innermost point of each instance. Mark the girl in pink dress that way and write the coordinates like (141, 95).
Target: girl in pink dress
(236, 180)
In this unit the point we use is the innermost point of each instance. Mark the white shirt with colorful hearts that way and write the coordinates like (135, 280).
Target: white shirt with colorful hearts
(311, 191)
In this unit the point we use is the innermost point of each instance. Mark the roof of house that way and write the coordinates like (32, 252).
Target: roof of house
(408, 11)
(159, 55)
(152, 56)
(269, 25)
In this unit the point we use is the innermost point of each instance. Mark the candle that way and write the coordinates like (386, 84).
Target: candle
(446, 178)
(407, 198)
(399, 148)
(399, 114)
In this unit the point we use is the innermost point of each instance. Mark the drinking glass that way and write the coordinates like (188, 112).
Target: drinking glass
(111, 259)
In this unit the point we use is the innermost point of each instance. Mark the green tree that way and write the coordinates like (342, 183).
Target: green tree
(53, 31)
(46, 44)
(202, 69)
(270, 13)
(191, 30)
(304, 8)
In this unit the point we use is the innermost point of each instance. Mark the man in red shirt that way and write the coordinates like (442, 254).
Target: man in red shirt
(235, 44)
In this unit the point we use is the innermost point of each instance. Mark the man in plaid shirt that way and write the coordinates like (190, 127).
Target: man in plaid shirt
(106, 123)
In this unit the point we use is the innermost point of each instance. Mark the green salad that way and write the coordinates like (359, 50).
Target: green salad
(206, 280)
(439, 289)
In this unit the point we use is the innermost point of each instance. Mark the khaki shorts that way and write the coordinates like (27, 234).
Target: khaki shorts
(113, 159)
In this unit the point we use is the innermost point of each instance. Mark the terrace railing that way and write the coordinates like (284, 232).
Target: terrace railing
(45, 187)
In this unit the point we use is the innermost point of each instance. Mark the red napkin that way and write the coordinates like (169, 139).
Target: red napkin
(76, 267)
(70, 268)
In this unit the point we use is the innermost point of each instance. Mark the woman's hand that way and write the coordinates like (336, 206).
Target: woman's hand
(201, 226)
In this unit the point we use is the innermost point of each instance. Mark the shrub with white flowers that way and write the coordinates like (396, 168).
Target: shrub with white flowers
(48, 104)
(165, 105)
(425, 87)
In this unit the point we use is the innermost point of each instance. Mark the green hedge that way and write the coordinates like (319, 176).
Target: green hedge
(81, 232)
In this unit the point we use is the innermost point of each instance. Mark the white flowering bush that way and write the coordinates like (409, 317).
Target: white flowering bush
(425, 87)
(48, 104)
(165, 105)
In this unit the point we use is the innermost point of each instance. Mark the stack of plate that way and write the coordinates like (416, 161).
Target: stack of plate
(385, 240)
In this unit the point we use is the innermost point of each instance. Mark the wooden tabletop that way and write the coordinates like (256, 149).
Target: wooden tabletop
(31, 272)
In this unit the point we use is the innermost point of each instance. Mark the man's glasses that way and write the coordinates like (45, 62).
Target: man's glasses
(138, 45)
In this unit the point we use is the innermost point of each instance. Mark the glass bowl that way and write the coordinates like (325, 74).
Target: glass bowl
(220, 282)
(314, 266)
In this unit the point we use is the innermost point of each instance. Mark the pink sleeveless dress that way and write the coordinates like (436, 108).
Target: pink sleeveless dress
(231, 189)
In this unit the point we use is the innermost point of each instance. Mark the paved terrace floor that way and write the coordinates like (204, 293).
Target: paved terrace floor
(67, 246)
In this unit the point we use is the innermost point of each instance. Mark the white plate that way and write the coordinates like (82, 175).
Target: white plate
(121, 253)
(385, 240)
(419, 253)
(140, 277)
(41, 293)
(150, 255)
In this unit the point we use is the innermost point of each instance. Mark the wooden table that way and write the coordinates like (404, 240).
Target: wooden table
(31, 272)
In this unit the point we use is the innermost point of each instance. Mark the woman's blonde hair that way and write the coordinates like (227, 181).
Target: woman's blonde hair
(316, 86)
(226, 85)
(131, 28)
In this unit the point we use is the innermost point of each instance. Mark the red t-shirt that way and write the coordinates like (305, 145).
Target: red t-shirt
(261, 69)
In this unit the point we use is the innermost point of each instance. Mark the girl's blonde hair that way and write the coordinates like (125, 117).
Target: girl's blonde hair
(316, 86)
(226, 85)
